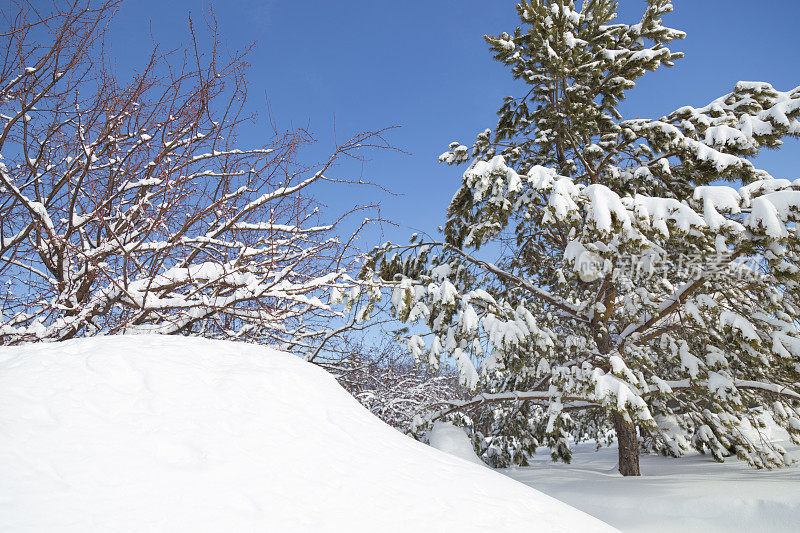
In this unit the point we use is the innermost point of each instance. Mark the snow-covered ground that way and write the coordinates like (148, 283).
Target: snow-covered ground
(181, 434)
(689, 494)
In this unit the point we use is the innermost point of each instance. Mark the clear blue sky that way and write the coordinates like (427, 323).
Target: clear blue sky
(424, 66)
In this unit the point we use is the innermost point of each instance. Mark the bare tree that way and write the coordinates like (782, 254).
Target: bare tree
(385, 380)
(130, 206)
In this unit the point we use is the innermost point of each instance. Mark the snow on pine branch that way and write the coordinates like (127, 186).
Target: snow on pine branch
(616, 322)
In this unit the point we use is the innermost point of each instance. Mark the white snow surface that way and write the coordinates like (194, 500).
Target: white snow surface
(690, 494)
(452, 439)
(154, 433)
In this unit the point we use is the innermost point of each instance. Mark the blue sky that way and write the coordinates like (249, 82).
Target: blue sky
(424, 66)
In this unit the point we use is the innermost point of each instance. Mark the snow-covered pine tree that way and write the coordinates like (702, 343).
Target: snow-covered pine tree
(633, 292)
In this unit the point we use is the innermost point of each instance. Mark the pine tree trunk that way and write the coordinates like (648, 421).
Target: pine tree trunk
(628, 446)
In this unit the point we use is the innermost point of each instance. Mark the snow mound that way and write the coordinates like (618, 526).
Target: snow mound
(451, 439)
(153, 433)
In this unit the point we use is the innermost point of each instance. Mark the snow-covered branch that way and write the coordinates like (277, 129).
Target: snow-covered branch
(128, 206)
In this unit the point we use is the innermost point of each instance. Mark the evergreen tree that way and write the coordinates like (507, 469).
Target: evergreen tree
(635, 291)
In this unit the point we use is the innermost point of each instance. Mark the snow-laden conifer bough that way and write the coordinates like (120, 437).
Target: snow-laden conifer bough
(165, 433)
(636, 294)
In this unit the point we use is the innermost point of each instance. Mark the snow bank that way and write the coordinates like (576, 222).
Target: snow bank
(452, 439)
(180, 434)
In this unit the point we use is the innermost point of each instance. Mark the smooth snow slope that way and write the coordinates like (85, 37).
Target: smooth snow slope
(182, 434)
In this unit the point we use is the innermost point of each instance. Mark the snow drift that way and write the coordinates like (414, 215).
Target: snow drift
(156, 433)
(452, 439)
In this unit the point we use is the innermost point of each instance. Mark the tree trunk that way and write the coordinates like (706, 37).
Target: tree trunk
(628, 446)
